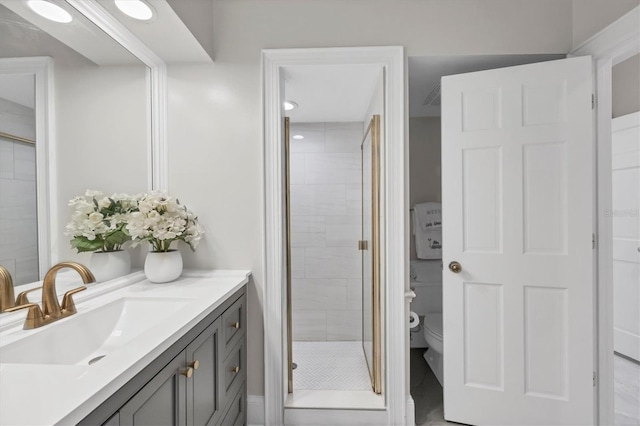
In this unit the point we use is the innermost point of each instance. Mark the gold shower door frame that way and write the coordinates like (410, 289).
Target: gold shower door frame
(375, 365)
(287, 192)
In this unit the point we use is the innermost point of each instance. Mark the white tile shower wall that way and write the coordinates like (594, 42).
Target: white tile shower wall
(325, 227)
(18, 227)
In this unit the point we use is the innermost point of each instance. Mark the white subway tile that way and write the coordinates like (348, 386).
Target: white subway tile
(308, 239)
(308, 223)
(344, 325)
(6, 159)
(314, 137)
(309, 325)
(334, 262)
(296, 169)
(319, 294)
(343, 137)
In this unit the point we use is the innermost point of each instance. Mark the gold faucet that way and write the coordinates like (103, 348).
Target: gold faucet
(51, 309)
(6, 290)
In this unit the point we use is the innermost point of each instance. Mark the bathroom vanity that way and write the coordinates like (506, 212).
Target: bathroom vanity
(135, 353)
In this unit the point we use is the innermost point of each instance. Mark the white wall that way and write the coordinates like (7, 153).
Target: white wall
(101, 137)
(326, 225)
(215, 119)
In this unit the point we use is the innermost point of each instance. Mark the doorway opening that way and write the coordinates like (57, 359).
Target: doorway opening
(625, 217)
(332, 143)
(395, 406)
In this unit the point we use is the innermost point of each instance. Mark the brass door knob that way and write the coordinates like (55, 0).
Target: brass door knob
(455, 267)
(235, 325)
(195, 364)
(236, 369)
(188, 372)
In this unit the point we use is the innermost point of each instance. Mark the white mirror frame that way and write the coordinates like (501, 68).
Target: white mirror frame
(157, 174)
(41, 68)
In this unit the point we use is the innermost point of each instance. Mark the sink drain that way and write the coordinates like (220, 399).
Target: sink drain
(96, 359)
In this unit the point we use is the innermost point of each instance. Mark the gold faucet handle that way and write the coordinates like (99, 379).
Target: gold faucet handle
(67, 300)
(22, 298)
(35, 316)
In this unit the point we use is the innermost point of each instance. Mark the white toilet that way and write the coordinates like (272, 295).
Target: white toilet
(428, 305)
(432, 327)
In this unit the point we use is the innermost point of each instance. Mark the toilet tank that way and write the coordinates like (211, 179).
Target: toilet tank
(428, 297)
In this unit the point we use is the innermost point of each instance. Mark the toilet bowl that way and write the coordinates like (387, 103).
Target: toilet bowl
(432, 327)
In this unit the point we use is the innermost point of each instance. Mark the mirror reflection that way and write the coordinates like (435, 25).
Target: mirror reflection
(98, 137)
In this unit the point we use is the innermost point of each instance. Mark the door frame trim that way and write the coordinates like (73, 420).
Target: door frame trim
(394, 231)
(614, 44)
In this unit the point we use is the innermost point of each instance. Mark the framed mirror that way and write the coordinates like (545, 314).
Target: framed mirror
(78, 111)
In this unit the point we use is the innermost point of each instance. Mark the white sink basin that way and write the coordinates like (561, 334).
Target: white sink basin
(87, 337)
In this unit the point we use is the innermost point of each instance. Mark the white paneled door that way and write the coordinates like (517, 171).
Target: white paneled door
(517, 182)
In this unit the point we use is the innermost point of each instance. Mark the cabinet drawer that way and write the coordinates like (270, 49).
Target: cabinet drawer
(233, 325)
(233, 371)
(235, 415)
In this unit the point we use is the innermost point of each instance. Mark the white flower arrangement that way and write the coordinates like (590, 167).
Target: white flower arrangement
(160, 220)
(98, 222)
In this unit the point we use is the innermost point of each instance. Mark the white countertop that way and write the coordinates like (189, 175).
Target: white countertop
(37, 394)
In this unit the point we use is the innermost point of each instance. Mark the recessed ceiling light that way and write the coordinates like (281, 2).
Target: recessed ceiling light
(137, 9)
(289, 105)
(298, 137)
(51, 11)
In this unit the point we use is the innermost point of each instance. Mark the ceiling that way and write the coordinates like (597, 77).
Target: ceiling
(166, 34)
(25, 33)
(330, 93)
(425, 73)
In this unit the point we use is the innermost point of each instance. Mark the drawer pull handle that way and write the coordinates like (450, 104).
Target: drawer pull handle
(188, 372)
(235, 325)
(195, 364)
(236, 369)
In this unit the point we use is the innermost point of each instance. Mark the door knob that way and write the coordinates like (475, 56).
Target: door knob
(455, 267)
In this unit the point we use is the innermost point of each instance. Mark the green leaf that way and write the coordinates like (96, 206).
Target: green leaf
(83, 244)
(117, 238)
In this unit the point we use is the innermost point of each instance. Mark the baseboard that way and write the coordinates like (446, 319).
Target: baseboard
(411, 411)
(255, 410)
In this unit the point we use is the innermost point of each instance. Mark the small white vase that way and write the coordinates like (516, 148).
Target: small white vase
(108, 265)
(162, 267)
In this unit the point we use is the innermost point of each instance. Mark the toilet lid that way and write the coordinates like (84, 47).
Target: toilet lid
(433, 322)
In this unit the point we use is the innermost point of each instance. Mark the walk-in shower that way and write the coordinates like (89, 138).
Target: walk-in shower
(333, 285)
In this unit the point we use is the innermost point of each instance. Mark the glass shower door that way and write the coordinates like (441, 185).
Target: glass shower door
(369, 246)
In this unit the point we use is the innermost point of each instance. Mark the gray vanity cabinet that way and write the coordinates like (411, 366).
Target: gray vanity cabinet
(200, 380)
(161, 401)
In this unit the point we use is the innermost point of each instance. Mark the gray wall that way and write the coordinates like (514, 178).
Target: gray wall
(425, 178)
(625, 85)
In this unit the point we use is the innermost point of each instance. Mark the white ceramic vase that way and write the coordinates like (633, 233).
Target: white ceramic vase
(162, 267)
(108, 265)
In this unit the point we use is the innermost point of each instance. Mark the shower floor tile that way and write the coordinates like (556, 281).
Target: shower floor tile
(330, 366)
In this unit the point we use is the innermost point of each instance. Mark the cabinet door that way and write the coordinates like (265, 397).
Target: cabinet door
(204, 403)
(161, 401)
